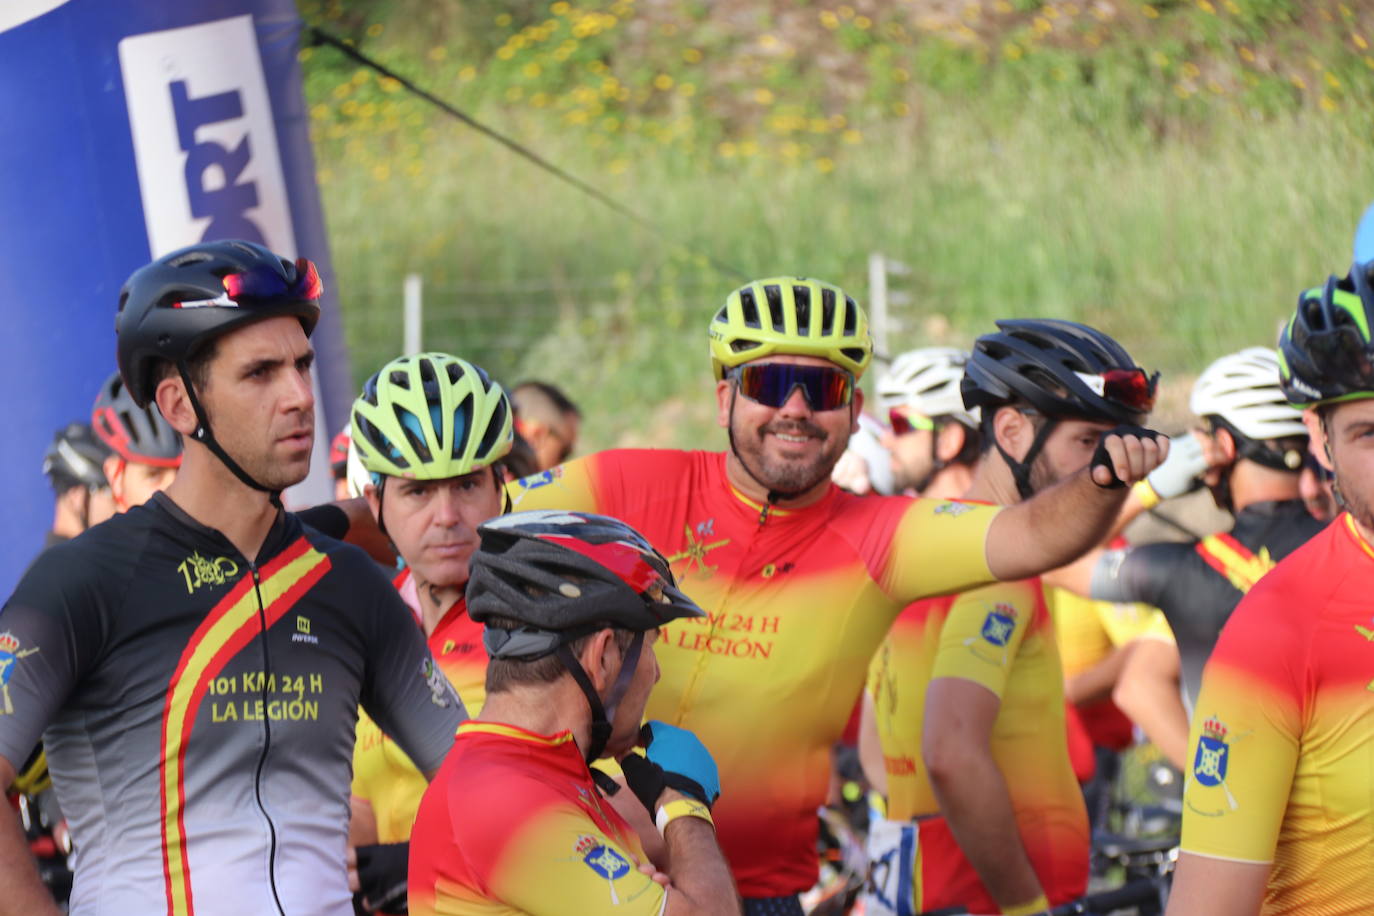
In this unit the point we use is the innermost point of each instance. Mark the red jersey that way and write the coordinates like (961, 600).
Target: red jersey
(797, 602)
(1283, 731)
(514, 824)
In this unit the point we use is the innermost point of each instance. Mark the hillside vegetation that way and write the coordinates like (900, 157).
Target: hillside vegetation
(1173, 172)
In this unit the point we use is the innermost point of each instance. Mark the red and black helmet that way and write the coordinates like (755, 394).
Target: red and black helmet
(171, 308)
(565, 572)
(137, 434)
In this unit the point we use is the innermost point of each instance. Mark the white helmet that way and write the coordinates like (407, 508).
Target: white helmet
(358, 476)
(1243, 389)
(927, 381)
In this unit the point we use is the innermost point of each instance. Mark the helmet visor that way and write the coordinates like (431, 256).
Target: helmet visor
(262, 283)
(1131, 388)
(904, 420)
(771, 384)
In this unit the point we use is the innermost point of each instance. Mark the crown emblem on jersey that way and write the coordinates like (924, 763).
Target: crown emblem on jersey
(585, 844)
(1006, 610)
(1213, 729)
(8, 643)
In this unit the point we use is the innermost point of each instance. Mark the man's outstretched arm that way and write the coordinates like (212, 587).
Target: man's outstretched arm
(1061, 523)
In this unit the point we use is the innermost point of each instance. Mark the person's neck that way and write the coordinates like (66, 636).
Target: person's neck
(65, 524)
(993, 483)
(544, 709)
(209, 492)
(950, 482)
(745, 484)
(1252, 483)
(435, 600)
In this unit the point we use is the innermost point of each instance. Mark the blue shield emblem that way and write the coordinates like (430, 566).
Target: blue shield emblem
(6, 667)
(535, 481)
(1209, 765)
(607, 863)
(997, 629)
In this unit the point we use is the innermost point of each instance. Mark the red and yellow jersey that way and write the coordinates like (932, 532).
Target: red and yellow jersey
(1283, 731)
(383, 775)
(1088, 632)
(1002, 638)
(797, 603)
(514, 824)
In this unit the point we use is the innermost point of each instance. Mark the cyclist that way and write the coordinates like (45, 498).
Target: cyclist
(75, 466)
(1253, 444)
(146, 450)
(198, 661)
(547, 420)
(934, 440)
(800, 579)
(514, 822)
(969, 695)
(1277, 812)
(431, 430)
(338, 462)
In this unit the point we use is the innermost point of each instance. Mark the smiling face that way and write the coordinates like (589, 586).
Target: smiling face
(260, 402)
(433, 523)
(789, 449)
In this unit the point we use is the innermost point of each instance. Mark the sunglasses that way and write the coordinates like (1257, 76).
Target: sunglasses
(772, 384)
(1131, 388)
(264, 283)
(904, 420)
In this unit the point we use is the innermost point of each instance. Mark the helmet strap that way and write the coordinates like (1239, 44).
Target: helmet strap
(205, 437)
(1021, 470)
(602, 714)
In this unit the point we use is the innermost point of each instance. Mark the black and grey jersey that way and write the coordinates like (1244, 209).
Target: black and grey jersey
(199, 708)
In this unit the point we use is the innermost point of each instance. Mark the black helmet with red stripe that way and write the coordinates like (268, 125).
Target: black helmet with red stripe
(136, 434)
(565, 572)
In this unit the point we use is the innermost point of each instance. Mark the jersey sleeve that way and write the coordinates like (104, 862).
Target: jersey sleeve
(938, 548)
(1246, 734)
(561, 862)
(406, 693)
(983, 632)
(1133, 574)
(50, 631)
(571, 486)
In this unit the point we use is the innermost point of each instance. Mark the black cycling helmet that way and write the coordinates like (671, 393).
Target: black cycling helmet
(172, 308)
(1325, 351)
(564, 575)
(75, 459)
(137, 434)
(1062, 369)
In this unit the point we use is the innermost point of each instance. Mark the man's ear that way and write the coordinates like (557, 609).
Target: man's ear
(1226, 444)
(725, 394)
(949, 442)
(856, 407)
(374, 501)
(1013, 431)
(1320, 445)
(114, 472)
(600, 658)
(175, 405)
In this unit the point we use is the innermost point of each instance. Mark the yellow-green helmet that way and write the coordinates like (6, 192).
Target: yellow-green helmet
(792, 316)
(431, 416)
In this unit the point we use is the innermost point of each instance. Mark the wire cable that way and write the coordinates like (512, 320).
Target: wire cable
(320, 37)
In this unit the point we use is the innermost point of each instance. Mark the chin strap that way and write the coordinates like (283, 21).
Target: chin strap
(207, 439)
(1021, 470)
(602, 713)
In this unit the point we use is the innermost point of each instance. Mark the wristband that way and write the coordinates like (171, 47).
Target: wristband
(1145, 495)
(1038, 905)
(682, 807)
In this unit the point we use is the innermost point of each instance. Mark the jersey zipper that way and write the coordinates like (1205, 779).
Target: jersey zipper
(266, 744)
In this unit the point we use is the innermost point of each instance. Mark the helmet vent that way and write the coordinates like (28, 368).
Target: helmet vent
(827, 312)
(739, 346)
(851, 317)
(750, 307)
(191, 257)
(400, 379)
(495, 425)
(854, 353)
(801, 296)
(773, 294)
(410, 426)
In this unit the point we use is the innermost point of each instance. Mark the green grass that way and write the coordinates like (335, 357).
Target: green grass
(1185, 235)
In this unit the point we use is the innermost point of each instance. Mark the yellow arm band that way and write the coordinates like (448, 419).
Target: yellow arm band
(1038, 905)
(682, 807)
(1145, 494)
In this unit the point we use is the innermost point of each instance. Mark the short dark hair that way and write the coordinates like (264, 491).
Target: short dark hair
(505, 673)
(534, 397)
(197, 366)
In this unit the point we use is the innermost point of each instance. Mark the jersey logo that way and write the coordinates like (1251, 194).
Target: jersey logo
(302, 633)
(1235, 561)
(534, 482)
(439, 689)
(697, 548)
(999, 625)
(606, 862)
(1213, 758)
(198, 571)
(953, 509)
(10, 654)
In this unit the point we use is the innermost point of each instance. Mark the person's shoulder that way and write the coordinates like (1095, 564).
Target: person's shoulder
(111, 547)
